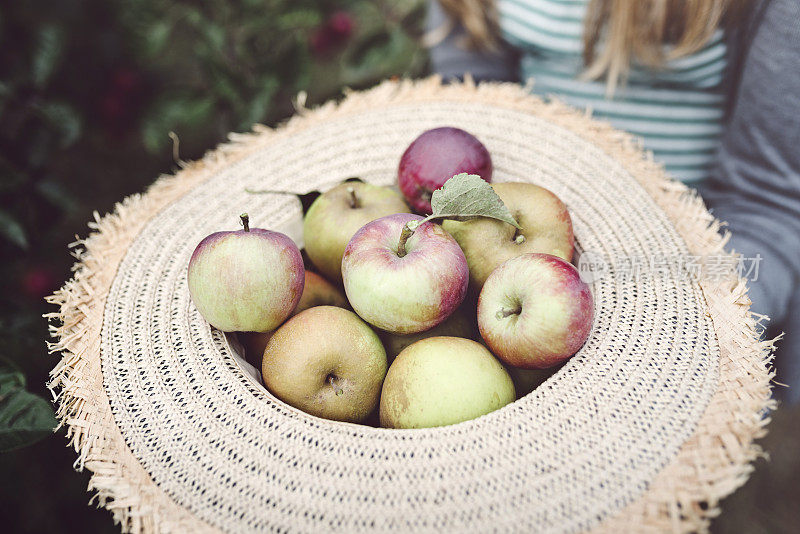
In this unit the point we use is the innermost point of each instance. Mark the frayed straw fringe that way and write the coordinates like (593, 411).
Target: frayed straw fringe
(683, 497)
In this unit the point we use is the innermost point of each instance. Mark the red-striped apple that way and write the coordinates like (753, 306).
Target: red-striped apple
(246, 280)
(401, 283)
(534, 311)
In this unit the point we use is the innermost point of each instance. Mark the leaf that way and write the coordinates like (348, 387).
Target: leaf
(258, 106)
(64, 119)
(12, 230)
(466, 196)
(157, 37)
(172, 114)
(47, 55)
(25, 418)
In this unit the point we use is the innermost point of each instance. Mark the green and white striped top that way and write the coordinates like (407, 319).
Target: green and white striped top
(677, 111)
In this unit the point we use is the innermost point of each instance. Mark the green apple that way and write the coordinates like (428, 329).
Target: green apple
(442, 381)
(337, 214)
(327, 362)
(546, 227)
(534, 311)
(246, 280)
(459, 324)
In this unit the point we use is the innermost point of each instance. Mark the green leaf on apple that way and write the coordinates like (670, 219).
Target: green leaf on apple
(466, 196)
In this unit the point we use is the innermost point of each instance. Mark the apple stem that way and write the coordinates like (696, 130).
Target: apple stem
(502, 313)
(408, 231)
(352, 199)
(520, 239)
(245, 221)
(336, 388)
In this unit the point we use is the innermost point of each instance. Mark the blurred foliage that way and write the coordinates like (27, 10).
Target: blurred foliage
(24, 417)
(89, 93)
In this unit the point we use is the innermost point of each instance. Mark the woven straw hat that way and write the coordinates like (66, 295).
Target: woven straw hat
(646, 428)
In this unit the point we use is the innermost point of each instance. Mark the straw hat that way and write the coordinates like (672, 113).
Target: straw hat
(647, 427)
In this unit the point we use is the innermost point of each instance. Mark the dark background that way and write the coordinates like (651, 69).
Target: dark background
(89, 93)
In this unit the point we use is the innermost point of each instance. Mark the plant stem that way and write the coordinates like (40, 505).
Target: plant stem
(269, 192)
(404, 235)
(502, 313)
(352, 199)
(335, 387)
(245, 221)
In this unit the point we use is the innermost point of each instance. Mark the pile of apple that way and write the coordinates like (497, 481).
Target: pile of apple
(386, 324)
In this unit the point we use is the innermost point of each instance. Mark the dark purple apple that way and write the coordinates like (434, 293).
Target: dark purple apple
(436, 156)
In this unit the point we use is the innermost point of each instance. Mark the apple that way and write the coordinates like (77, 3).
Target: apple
(434, 157)
(404, 283)
(458, 324)
(546, 227)
(319, 292)
(337, 214)
(316, 292)
(442, 381)
(534, 311)
(247, 280)
(327, 362)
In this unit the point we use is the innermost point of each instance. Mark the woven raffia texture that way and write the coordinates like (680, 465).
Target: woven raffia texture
(646, 428)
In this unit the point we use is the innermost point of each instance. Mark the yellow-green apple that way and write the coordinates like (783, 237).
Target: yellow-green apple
(400, 283)
(246, 280)
(442, 381)
(458, 324)
(534, 311)
(327, 362)
(337, 214)
(546, 227)
(434, 157)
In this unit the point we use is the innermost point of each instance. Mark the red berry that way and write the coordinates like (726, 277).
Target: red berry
(38, 282)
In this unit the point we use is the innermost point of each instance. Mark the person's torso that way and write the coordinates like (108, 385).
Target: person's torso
(677, 110)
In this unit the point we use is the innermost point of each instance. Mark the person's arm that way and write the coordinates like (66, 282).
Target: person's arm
(450, 59)
(755, 186)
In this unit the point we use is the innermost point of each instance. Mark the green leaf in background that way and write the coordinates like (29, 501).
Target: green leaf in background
(63, 119)
(157, 37)
(59, 195)
(466, 196)
(12, 230)
(170, 115)
(48, 51)
(299, 19)
(25, 418)
(260, 103)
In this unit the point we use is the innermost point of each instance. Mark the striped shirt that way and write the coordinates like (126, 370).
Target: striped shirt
(677, 110)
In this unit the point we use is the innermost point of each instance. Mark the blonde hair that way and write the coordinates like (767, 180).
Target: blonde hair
(648, 31)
